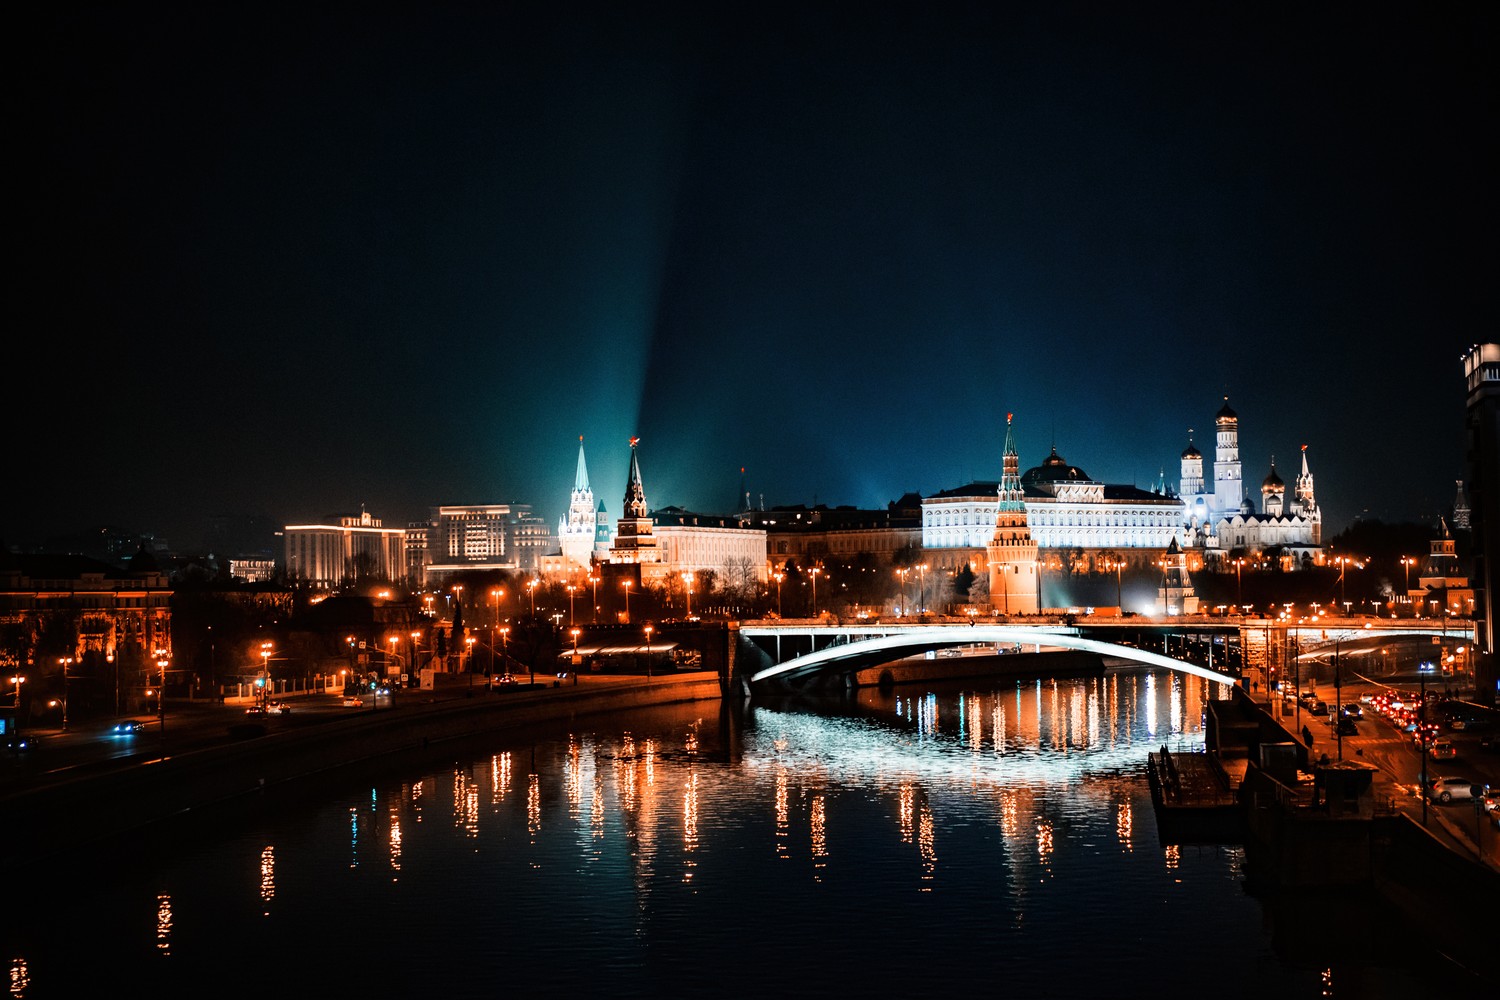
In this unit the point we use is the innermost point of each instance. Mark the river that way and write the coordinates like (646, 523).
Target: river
(992, 839)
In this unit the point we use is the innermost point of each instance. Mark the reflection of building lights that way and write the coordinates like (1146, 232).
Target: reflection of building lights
(1125, 824)
(268, 873)
(163, 924)
(533, 804)
(819, 825)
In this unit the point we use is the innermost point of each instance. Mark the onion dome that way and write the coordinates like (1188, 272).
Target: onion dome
(1225, 413)
(1272, 479)
(1191, 451)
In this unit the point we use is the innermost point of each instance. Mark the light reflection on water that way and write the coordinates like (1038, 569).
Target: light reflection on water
(921, 840)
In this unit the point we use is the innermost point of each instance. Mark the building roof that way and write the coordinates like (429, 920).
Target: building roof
(1054, 469)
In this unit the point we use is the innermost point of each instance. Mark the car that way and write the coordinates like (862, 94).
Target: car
(1450, 789)
(1442, 750)
(1347, 726)
(503, 681)
(279, 708)
(1491, 798)
(1318, 707)
(258, 708)
(1353, 710)
(353, 701)
(21, 742)
(127, 727)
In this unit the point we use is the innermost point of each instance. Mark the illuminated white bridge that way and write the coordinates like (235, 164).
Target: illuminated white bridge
(779, 652)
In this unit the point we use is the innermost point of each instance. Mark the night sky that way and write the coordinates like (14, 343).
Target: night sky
(285, 262)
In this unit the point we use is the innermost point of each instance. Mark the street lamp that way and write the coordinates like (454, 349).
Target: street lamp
(922, 591)
(902, 574)
(1239, 590)
(648, 652)
(265, 670)
(571, 590)
(687, 589)
(469, 641)
(18, 680)
(161, 697)
(626, 584)
(778, 576)
(594, 579)
(65, 662)
(1407, 562)
(814, 574)
(531, 586)
(1119, 600)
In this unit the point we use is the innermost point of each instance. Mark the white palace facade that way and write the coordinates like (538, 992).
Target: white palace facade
(1065, 510)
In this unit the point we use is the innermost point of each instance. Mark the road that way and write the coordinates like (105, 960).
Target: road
(1399, 760)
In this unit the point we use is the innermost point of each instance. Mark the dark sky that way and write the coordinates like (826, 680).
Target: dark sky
(286, 262)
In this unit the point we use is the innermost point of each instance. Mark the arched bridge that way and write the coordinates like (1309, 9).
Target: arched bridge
(781, 652)
(818, 650)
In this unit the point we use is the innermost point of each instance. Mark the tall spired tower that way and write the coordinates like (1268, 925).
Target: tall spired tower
(579, 529)
(634, 540)
(1012, 551)
(1228, 490)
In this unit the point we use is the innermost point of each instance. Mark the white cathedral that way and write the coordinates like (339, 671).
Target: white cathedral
(1222, 519)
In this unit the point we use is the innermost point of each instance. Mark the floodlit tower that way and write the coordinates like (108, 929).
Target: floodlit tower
(1228, 488)
(1012, 550)
(578, 530)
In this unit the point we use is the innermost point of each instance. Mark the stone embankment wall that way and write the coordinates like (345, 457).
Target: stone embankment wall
(66, 816)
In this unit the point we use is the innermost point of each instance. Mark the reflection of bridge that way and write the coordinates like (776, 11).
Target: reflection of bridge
(788, 653)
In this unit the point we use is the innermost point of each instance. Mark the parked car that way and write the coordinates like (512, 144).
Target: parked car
(1318, 707)
(1450, 789)
(1442, 750)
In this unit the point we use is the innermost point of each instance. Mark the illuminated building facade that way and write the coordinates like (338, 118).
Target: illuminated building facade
(478, 537)
(725, 545)
(1482, 445)
(327, 555)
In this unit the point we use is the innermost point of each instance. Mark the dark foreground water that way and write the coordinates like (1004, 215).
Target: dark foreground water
(960, 841)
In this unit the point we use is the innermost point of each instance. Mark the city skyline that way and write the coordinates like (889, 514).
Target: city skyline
(295, 266)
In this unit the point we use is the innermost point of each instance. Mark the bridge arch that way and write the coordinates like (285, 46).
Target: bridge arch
(858, 653)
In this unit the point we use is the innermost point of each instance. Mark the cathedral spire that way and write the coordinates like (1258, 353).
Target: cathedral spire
(581, 477)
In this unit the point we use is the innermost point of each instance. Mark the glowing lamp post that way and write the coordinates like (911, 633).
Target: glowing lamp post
(18, 680)
(626, 584)
(572, 589)
(778, 576)
(65, 662)
(161, 697)
(902, 572)
(531, 586)
(469, 641)
(814, 574)
(648, 652)
(687, 589)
